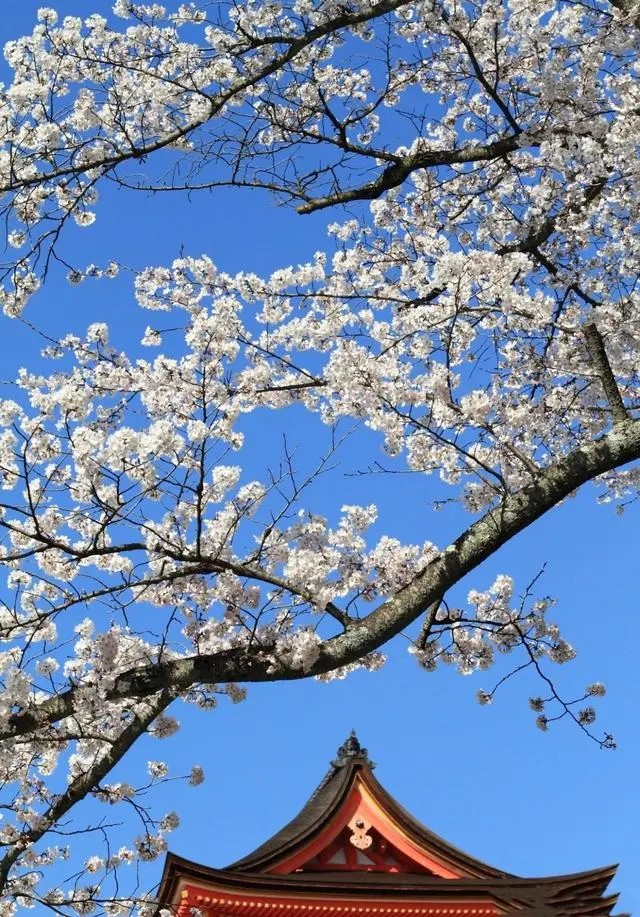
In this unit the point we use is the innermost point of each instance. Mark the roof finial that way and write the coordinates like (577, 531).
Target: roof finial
(351, 749)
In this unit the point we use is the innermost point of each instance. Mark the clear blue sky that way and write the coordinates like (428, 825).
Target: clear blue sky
(485, 778)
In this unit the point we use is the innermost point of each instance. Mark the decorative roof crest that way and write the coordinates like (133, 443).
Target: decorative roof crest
(349, 749)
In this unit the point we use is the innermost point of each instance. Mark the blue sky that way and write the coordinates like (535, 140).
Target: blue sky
(485, 778)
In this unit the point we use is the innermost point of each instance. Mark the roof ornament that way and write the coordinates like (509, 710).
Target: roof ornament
(359, 836)
(350, 749)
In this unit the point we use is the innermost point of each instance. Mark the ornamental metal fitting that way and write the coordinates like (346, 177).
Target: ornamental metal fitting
(352, 749)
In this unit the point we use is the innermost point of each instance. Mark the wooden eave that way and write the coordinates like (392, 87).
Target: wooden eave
(577, 893)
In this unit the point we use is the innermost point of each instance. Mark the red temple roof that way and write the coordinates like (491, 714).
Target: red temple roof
(353, 850)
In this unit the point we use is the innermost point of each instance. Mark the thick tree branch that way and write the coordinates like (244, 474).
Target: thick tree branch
(513, 514)
(516, 512)
(395, 175)
(598, 356)
(88, 780)
(294, 46)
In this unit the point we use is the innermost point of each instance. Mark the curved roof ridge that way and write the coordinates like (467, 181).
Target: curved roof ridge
(324, 802)
(330, 791)
(430, 838)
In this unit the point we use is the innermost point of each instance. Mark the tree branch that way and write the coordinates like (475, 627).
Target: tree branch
(394, 175)
(600, 360)
(482, 539)
(294, 47)
(87, 781)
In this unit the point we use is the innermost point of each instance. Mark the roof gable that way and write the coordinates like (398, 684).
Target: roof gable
(360, 834)
(351, 823)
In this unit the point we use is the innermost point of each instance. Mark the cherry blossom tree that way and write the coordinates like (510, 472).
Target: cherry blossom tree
(473, 319)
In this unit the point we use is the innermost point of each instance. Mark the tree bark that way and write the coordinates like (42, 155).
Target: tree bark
(482, 539)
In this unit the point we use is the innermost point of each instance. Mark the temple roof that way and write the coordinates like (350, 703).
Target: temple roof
(353, 843)
(351, 763)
